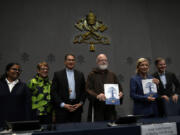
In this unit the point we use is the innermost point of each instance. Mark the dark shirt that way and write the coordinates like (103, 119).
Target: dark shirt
(96, 80)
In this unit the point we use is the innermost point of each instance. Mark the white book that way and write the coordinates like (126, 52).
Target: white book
(149, 87)
(111, 92)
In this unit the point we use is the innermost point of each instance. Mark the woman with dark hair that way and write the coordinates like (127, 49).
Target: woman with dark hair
(15, 98)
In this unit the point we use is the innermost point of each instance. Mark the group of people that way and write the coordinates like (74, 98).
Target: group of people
(168, 88)
(61, 100)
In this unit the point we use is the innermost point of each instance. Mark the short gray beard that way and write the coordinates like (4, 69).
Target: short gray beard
(103, 67)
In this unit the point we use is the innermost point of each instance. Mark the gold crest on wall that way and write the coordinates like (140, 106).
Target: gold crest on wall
(91, 29)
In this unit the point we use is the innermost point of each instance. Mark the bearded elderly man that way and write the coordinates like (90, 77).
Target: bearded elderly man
(98, 110)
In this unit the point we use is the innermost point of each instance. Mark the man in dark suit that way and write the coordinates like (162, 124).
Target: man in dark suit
(68, 92)
(168, 81)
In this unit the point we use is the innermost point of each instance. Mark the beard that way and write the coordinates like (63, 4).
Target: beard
(103, 67)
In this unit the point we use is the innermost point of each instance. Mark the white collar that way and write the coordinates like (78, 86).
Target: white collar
(13, 82)
(69, 70)
(162, 73)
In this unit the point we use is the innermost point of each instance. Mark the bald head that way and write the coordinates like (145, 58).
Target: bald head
(101, 61)
(101, 57)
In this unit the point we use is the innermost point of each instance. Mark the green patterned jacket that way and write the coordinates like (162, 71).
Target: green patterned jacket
(40, 89)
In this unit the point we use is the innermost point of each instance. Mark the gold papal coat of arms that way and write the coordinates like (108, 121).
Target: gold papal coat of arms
(91, 29)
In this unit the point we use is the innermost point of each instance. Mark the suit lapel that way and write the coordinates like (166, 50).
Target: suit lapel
(66, 82)
(76, 80)
(139, 81)
(167, 78)
(156, 75)
(160, 82)
(6, 87)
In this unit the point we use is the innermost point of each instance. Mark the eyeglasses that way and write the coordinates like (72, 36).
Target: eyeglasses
(16, 69)
(44, 69)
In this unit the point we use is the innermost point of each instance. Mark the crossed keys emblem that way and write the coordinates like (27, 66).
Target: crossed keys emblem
(91, 27)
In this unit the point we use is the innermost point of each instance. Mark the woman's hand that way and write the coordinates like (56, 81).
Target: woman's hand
(151, 98)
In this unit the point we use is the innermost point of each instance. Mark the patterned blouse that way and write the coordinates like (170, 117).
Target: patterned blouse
(40, 89)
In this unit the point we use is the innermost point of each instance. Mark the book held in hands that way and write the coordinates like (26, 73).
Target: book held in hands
(149, 87)
(112, 94)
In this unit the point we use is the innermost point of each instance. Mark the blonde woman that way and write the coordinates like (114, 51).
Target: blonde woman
(143, 104)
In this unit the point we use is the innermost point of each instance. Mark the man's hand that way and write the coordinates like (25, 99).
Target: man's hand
(69, 107)
(120, 94)
(156, 81)
(101, 97)
(175, 98)
(165, 97)
(76, 106)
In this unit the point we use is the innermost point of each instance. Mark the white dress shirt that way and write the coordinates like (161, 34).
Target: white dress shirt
(163, 79)
(71, 83)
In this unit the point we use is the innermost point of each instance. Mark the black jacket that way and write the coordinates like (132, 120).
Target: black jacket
(60, 88)
(172, 86)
